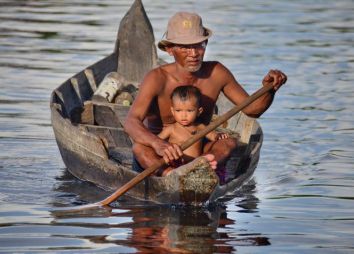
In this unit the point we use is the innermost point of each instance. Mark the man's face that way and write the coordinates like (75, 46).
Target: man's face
(190, 57)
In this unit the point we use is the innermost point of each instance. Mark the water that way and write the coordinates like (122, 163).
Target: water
(300, 199)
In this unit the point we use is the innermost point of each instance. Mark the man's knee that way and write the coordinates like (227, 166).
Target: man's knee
(227, 146)
(231, 143)
(222, 148)
(136, 148)
(144, 155)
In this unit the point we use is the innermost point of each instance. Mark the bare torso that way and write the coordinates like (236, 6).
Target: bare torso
(159, 113)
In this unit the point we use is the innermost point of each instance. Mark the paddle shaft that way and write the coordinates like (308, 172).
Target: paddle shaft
(213, 125)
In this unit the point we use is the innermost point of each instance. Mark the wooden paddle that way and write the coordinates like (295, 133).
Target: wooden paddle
(213, 125)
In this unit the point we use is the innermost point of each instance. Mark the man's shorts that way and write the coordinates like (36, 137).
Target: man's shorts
(136, 166)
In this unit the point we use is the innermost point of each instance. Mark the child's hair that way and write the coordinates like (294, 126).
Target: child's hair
(186, 92)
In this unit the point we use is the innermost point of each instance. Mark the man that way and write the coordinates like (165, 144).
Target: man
(186, 40)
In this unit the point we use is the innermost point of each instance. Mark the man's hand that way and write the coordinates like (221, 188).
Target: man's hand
(275, 78)
(169, 152)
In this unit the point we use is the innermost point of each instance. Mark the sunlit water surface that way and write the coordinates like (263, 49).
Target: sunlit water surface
(301, 197)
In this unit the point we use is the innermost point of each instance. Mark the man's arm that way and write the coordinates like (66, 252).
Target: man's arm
(235, 93)
(149, 89)
(133, 124)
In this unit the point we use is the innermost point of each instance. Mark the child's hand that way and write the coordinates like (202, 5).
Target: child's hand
(222, 136)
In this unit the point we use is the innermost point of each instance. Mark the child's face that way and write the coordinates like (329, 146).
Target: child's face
(185, 112)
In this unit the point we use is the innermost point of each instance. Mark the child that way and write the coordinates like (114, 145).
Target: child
(185, 109)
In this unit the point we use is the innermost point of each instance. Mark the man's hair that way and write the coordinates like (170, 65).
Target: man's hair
(185, 93)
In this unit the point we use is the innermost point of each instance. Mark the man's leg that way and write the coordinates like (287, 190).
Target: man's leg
(145, 155)
(221, 149)
(210, 158)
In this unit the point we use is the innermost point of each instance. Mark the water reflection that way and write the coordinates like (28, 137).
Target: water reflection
(151, 228)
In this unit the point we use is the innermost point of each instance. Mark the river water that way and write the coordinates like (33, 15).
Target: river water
(300, 199)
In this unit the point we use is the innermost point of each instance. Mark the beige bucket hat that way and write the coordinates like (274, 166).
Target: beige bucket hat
(184, 28)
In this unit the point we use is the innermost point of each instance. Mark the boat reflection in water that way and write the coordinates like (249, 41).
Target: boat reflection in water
(148, 227)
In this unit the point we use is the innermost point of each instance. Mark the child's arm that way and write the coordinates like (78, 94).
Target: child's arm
(165, 133)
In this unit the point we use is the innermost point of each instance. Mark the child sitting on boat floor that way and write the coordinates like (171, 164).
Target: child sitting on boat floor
(185, 110)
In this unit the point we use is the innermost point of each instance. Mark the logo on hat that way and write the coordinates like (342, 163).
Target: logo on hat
(187, 24)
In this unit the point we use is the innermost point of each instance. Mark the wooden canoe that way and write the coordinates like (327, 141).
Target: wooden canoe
(95, 148)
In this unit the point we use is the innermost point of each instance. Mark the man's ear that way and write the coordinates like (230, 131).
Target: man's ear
(172, 111)
(200, 110)
(169, 50)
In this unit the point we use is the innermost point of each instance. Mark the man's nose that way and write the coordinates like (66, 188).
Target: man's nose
(193, 51)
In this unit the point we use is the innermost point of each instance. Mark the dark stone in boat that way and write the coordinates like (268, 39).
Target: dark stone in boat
(95, 148)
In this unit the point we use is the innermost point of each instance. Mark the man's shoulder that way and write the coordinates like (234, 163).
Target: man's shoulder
(215, 69)
(216, 65)
(156, 71)
(160, 71)
(156, 76)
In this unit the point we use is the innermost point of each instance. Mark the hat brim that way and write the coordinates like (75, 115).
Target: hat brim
(185, 40)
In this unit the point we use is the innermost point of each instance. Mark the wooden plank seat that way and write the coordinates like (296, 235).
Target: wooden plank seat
(107, 125)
